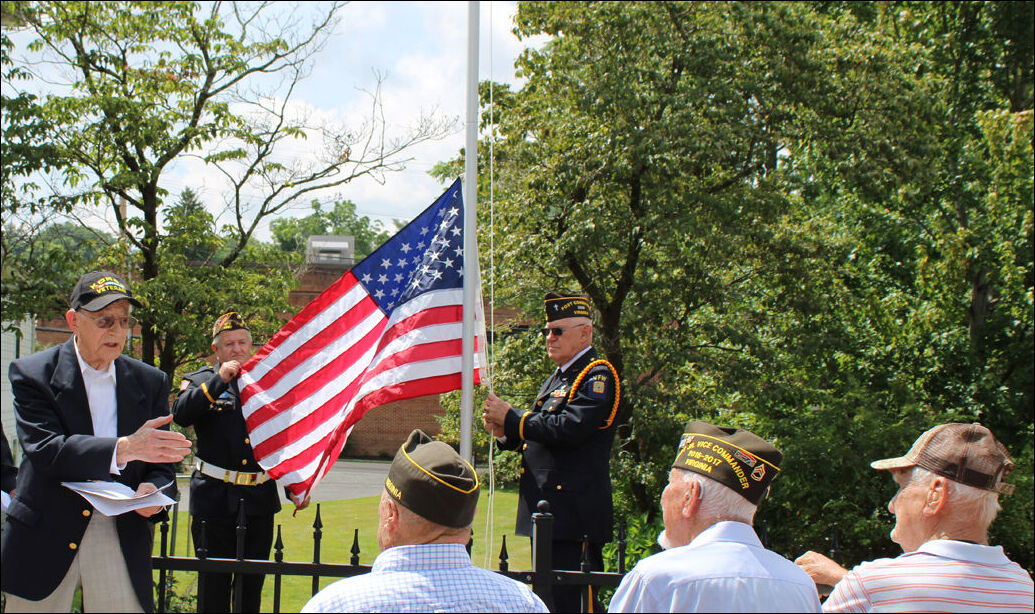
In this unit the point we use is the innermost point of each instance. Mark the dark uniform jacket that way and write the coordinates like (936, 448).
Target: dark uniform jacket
(565, 439)
(46, 521)
(222, 439)
(9, 475)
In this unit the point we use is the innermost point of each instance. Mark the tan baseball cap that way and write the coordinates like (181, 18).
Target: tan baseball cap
(965, 453)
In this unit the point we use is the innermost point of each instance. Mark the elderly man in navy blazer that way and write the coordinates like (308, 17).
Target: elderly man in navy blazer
(87, 412)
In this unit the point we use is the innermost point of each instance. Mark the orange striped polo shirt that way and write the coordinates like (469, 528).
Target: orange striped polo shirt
(940, 576)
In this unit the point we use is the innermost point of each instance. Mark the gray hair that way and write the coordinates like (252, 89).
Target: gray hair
(982, 504)
(719, 502)
(215, 339)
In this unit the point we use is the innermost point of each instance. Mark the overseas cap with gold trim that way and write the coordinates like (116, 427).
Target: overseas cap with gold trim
(230, 320)
(559, 306)
(736, 458)
(431, 480)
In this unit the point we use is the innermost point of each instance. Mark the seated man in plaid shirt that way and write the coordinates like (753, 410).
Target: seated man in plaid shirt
(424, 525)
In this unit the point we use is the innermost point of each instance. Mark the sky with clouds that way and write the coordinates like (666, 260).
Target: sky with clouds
(420, 50)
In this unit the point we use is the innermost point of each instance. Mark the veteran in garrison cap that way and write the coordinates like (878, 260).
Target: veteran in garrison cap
(225, 470)
(424, 525)
(713, 561)
(565, 439)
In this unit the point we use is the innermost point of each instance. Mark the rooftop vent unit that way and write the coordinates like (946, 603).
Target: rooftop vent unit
(330, 251)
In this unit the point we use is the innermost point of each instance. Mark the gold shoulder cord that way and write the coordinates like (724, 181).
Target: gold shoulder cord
(618, 388)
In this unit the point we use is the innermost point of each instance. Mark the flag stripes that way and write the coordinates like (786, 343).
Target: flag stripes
(389, 329)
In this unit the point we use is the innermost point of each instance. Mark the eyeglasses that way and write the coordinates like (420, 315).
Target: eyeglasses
(106, 322)
(557, 331)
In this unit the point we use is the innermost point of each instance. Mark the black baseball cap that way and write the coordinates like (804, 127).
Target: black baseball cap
(95, 291)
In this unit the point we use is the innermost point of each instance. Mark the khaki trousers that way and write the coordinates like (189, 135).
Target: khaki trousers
(99, 568)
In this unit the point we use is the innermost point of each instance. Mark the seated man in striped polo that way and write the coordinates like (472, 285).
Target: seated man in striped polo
(423, 527)
(949, 487)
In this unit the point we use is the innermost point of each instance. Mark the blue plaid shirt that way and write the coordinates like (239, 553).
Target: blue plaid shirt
(426, 578)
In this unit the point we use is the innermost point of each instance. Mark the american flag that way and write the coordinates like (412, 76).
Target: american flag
(388, 329)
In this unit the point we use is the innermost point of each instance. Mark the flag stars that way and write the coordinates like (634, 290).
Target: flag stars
(386, 263)
(453, 211)
(366, 278)
(382, 279)
(405, 248)
(401, 263)
(456, 231)
(448, 262)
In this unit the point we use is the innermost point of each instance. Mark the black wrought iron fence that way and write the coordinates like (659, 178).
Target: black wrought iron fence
(542, 577)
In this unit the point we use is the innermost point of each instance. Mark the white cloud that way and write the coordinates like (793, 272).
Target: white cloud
(421, 48)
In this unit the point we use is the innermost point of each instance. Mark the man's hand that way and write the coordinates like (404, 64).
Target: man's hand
(821, 569)
(229, 370)
(153, 445)
(495, 414)
(146, 488)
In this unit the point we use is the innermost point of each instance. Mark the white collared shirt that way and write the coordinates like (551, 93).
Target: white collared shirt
(724, 569)
(104, 408)
(572, 361)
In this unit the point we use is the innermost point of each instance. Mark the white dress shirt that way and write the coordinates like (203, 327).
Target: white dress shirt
(724, 569)
(104, 408)
(568, 364)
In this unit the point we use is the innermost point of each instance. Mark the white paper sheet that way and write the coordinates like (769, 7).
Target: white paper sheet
(114, 498)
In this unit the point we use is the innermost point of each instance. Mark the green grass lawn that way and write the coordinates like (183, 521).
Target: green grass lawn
(340, 520)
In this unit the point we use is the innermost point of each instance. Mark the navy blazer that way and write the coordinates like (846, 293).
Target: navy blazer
(46, 521)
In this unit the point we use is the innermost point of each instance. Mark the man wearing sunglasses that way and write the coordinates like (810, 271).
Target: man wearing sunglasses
(565, 442)
(87, 412)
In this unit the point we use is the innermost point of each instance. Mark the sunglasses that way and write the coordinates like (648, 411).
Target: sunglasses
(106, 322)
(557, 331)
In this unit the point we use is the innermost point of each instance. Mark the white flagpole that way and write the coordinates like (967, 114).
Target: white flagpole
(470, 236)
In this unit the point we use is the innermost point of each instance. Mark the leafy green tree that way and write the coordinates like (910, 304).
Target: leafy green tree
(149, 84)
(784, 215)
(43, 264)
(25, 151)
(195, 286)
(291, 234)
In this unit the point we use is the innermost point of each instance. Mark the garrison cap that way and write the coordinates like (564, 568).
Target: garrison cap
(965, 453)
(431, 480)
(95, 291)
(735, 458)
(230, 320)
(560, 306)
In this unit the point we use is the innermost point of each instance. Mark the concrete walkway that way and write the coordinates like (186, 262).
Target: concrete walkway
(348, 479)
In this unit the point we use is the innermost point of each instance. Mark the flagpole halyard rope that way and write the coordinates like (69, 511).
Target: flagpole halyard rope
(490, 508)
